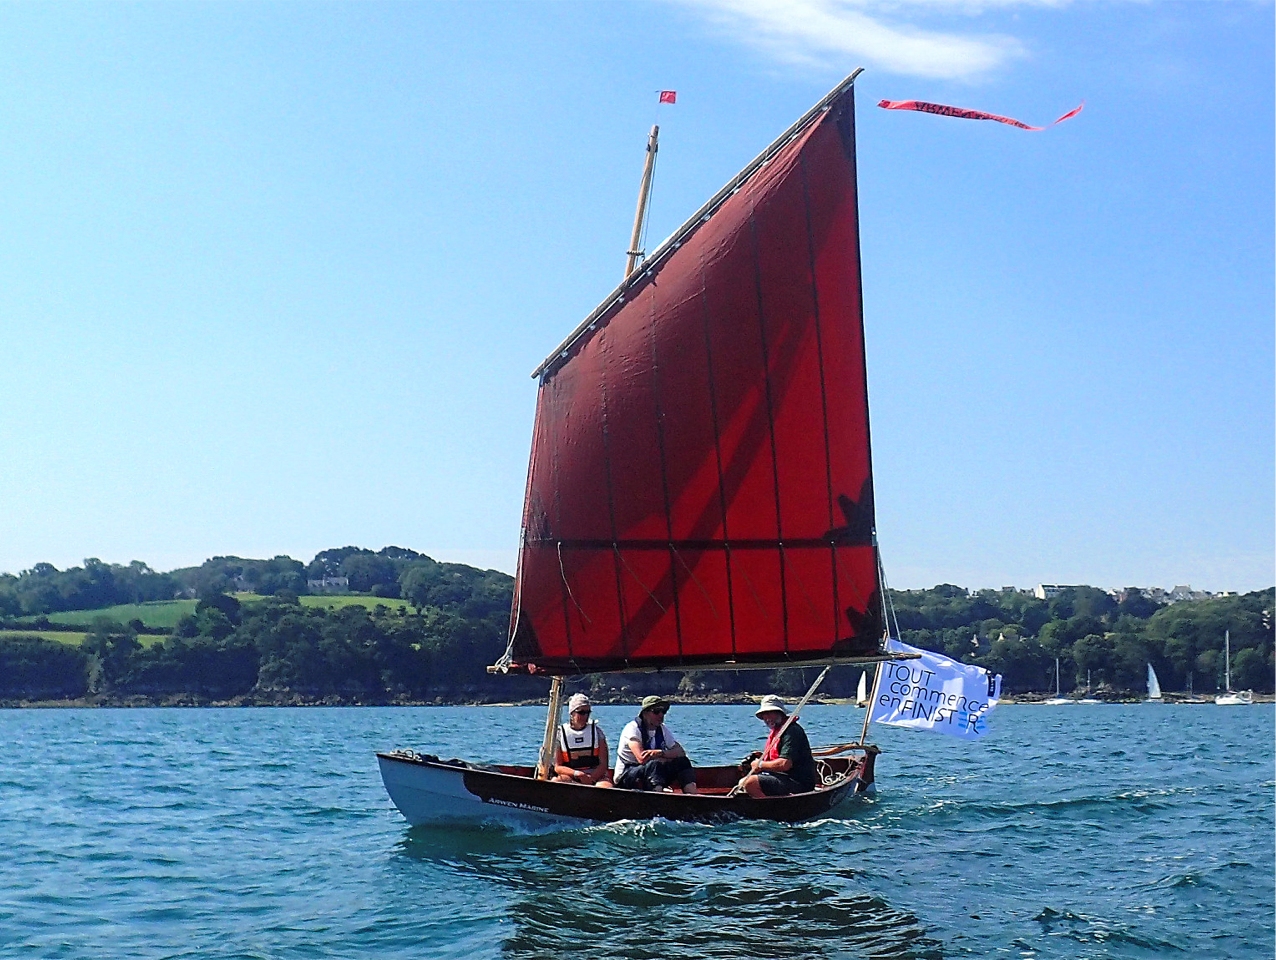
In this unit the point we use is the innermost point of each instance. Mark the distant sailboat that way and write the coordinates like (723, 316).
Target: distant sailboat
(861, 693)
(1056, 700)
(1154, 686)
(1087, 698)
(1231, 698)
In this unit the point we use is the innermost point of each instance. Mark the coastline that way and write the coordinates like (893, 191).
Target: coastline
(300, 700)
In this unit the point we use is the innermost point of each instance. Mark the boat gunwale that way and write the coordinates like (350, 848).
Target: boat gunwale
(712, 806)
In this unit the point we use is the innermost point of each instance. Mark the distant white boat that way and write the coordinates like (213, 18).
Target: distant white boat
(861, 693)
(1056, 700)
(1154, 686)
(1231, 698)
(1087, 698)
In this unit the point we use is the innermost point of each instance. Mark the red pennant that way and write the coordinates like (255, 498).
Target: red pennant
(668, 96)
(945, 111)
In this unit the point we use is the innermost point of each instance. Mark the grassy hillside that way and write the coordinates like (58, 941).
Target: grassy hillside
(56, 635)
(165, 613)
(336, 602)
(159, 613)
(70, 637)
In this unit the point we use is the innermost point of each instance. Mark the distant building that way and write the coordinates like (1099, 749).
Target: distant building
(1048, 591)
(328, 585)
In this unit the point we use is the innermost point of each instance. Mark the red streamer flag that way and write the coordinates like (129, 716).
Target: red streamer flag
(945, 111)
(668, 96)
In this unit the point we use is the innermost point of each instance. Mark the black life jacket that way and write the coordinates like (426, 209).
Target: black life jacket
(580, 755)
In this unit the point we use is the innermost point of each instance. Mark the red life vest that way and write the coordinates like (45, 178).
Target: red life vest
(772, 749)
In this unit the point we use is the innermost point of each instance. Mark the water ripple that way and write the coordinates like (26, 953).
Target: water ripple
(1112, 832)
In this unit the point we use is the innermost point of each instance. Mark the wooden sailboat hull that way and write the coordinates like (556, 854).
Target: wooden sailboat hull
(426, 790)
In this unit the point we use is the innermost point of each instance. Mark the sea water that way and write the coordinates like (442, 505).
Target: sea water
(1079, 831)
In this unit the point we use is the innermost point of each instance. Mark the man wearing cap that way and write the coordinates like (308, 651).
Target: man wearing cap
(786, 764)
(582, 748)
(649, 757)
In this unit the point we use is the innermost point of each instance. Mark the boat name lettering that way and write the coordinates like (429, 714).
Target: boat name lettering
(513, 803)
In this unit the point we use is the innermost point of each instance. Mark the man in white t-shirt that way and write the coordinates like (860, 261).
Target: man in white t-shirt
(649, 757)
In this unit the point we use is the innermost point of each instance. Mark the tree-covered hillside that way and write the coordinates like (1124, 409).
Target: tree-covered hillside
(1090, 631)
(426, 631)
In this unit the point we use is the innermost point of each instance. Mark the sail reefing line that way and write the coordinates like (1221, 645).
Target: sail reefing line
(700, 474)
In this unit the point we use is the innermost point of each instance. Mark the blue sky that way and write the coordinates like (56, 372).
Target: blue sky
(273, 277)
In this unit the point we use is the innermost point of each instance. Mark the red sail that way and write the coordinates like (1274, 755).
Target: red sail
(700, 488)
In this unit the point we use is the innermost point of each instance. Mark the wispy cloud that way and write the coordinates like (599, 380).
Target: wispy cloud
(877, 33)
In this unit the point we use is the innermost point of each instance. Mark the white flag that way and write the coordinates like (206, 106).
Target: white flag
(934, 693)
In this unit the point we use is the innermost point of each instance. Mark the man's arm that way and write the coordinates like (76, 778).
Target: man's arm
(669, 753)
(779, 765)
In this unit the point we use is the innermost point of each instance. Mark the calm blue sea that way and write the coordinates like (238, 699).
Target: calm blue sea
(1103, 831)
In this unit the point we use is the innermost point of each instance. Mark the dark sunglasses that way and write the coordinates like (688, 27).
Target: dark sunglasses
(659, 711)
(584, 712)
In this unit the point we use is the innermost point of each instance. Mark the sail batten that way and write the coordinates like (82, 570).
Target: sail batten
(700, 485)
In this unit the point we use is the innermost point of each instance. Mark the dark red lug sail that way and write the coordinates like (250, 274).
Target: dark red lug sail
(700, 487)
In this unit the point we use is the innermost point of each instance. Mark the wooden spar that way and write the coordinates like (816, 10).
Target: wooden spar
(732, 665)
(738, 788)
(545, 769)
(704, 213)
(802, 703)
(872, 699)
(644, 192)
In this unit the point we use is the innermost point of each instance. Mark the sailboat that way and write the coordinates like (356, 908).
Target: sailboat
(861, 692)
(1087, 698)
(699, 492)
(1231, 698)
(1154, 687)
(1057, 700)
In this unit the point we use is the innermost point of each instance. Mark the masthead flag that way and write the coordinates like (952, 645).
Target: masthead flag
(668, 96)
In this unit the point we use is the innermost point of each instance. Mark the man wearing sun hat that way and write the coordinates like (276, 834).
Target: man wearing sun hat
(649, 757)
(785, 765)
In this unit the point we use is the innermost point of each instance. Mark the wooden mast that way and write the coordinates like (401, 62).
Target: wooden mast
(549, 746)
(634, 255)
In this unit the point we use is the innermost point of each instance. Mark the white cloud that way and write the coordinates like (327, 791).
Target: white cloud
(855, 32)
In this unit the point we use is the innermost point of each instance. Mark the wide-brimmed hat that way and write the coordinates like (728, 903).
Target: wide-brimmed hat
(770, 704)
(577, 701)
(652, 702)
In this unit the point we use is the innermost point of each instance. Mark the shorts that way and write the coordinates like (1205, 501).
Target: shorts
(779, 784)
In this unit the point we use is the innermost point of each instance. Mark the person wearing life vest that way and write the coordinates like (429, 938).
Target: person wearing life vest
(648, 757)
(582, 748)
(786, 764)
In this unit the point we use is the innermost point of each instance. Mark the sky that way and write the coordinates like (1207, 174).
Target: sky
(273, 278)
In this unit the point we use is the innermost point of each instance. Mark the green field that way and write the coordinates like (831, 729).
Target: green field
(334, 602)
(58, 635)
(73, 638)
(166, 613)
(161, 613)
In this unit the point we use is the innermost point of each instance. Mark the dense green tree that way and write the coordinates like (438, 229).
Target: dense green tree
(1137, 604)
(367, 570)
(1251, 670)
(32, 668)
